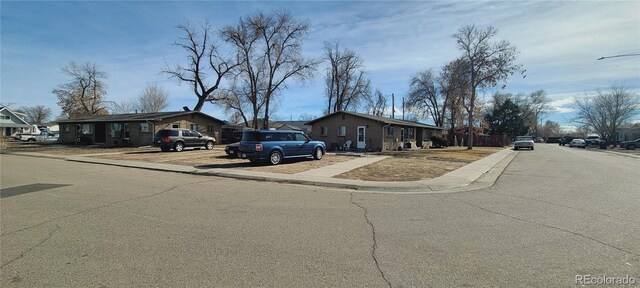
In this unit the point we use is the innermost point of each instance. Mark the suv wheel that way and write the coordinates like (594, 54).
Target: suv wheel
(631, 147)
(275, 158)
(209, 145)
(317, 154)
(178, 147)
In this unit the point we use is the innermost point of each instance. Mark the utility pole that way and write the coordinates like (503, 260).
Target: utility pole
(402, 108)
(393, 106)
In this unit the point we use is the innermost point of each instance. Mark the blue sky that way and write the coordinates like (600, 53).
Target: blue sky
(559, 42)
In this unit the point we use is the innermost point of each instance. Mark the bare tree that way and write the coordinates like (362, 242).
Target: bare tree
(376, 104)
(84, 94)
(206, 67)
(549, 129)
(454, 86)
(425, 99)
(487, 63)
(154, 98)
(269, 50)
(36, 114)
(346, 85)
(306, 117)
(533, 106)
(604, 112)
(122, 107)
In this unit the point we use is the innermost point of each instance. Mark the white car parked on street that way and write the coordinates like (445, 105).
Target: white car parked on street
(523, 142)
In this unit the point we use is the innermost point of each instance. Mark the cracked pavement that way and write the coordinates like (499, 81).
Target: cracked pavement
(553, 214)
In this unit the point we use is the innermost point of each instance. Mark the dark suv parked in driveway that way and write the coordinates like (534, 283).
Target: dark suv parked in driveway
(275, 145)
(178, 139)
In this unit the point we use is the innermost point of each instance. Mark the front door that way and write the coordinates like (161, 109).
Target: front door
(101, 132)
(361, 143)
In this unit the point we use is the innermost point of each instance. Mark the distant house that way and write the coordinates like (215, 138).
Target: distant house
(292, 125)
(370, 133)
(628, 132)
(135, 129)
(12, 122)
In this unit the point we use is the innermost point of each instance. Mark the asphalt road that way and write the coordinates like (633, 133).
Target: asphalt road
(555, 213)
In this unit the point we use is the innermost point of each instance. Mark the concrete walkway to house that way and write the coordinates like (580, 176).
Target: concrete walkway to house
(478, 174)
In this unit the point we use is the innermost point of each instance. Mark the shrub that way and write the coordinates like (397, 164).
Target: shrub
(438, 142)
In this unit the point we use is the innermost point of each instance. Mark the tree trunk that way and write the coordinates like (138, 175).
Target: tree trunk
(199, 105)
(470, 132)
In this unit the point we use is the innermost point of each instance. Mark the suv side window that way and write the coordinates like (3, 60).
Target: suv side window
(186, 133)
(301, 137)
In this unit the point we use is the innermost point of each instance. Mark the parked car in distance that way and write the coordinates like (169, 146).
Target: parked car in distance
(539, 140)
(592, 140)
(178, 139)
(578, 143)
(276, 145)
(630, 145)
(566, 140)
(232, 149)
(553, 139)
(46, 137)
(523, 142)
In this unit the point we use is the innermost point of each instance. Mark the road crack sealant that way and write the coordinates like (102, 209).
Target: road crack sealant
(373, 237)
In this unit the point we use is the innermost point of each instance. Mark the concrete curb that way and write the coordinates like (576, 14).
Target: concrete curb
(481, 173)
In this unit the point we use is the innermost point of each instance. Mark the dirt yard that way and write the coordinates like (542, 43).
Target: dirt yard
(416, 165)
(199, 158)
(217, 158)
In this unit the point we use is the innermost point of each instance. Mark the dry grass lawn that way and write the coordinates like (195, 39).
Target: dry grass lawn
(416, 165)
(198, 158)
(216, 158)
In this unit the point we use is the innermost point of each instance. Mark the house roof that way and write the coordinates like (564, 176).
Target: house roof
(135, 117)
(380, 119)
(23, 123)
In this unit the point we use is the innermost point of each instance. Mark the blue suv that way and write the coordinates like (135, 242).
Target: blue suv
(275, 145)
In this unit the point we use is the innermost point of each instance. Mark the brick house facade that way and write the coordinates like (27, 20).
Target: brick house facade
(370, 133)
(136, 129)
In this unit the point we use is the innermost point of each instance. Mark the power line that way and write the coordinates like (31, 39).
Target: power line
(622, 55)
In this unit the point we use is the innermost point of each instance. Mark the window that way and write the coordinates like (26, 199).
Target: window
(342, 131)
(194, 127)
(209, 128)
(301, 137)
(391, 132)
(175, 125)
(86, 129)
(65, 127)
(409, 133)
(144, 127)
(324, 131)
(115, 129)
(5, 117)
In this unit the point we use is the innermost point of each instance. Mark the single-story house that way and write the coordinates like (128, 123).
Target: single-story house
(12, 122)
(293, 125)
(134, 129)
(628, 132)
(369, 132)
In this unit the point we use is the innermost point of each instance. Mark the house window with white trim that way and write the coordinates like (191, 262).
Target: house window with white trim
(194, 127)
(342, 131)
(175, 125)
(86, 129)
(391, 132)
(5, 117)
(324, 131)
(144, 127)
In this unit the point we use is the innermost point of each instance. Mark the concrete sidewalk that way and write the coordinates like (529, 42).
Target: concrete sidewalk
(478, 174)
